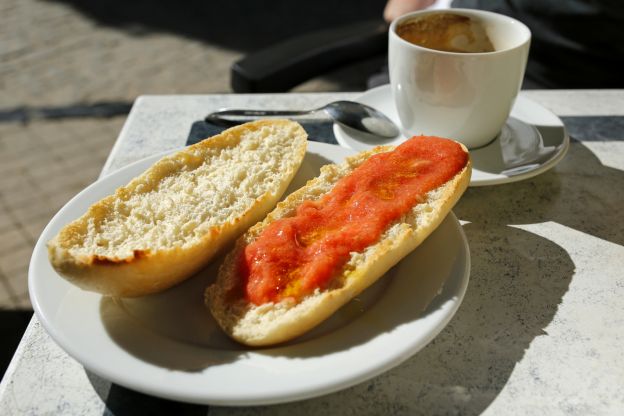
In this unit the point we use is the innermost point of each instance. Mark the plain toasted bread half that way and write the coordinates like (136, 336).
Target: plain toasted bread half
(271, 323)
(168, 223)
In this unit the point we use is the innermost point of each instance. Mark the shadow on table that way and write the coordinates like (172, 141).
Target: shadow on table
(318, 130)
(13, 323)
(518, 278)
(581, 193)
(121, 401)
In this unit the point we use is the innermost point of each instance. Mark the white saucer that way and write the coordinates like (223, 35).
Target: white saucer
(532, 141)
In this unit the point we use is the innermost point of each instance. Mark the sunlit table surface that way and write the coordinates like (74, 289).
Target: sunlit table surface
(540, 330)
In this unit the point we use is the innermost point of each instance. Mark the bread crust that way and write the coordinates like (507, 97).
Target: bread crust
(147, 270)
(274, 323)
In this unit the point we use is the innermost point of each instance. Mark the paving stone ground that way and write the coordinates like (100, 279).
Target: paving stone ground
(42, 166)
(60, 53)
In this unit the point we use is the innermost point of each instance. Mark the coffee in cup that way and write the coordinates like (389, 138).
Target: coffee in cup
(448, 32)
(456, 73)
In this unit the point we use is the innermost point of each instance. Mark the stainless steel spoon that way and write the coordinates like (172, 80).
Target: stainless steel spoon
(349, 113)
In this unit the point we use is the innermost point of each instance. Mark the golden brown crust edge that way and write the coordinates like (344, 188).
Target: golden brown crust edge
(275, 323)
(151, 272)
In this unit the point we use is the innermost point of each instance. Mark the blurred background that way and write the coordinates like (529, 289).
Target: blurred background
(70, 70)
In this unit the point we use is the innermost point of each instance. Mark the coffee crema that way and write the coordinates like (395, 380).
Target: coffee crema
(447, 32)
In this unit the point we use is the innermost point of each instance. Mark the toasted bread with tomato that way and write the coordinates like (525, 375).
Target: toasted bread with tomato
(274, 322)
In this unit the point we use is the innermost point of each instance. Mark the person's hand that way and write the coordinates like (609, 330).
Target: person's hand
(396, 8)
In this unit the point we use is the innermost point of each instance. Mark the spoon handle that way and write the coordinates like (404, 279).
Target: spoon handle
(222, 115)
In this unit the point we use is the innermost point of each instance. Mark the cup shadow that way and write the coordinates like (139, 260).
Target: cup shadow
(580, 193)
(518, 280)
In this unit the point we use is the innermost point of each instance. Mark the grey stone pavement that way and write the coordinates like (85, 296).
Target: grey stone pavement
(64, 53)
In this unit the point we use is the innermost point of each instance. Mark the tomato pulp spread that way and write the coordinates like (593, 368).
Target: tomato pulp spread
(294, 256)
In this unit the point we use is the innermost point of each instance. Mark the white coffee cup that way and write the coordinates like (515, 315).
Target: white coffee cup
(463, 96)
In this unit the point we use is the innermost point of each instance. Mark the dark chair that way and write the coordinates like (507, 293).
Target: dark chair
(283, 66)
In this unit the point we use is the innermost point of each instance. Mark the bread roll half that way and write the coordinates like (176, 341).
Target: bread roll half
(171, 220)
(272, 323)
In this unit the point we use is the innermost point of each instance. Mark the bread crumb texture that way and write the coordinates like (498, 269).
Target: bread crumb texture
(187, 195)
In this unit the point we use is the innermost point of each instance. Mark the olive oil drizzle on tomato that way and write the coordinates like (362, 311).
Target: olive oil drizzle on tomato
(294, 256)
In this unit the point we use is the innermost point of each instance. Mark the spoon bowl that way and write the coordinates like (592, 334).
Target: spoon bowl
(352, 114)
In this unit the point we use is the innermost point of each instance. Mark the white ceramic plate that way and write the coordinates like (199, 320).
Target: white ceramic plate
(168, 344)
(532, 141)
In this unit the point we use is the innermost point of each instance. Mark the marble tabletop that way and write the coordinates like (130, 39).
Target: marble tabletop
(540, 330)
